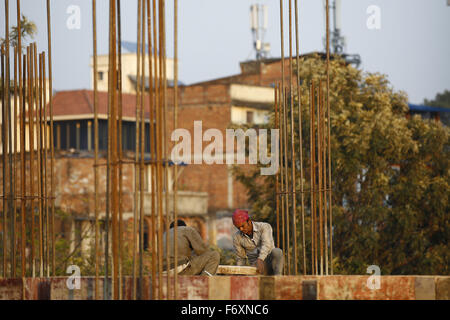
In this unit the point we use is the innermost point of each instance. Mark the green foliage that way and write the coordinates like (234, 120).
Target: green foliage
(390, 176)
(28, 30)
(441, 100)
(227, 257)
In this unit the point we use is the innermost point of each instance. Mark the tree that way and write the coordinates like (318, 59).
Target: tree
(441, 100)
(390, 176)
(28, 30)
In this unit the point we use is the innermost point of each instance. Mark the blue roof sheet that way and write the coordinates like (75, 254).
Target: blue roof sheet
(418, 107)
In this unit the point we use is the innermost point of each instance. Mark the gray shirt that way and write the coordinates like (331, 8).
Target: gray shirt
(259, 246)
(189, 242)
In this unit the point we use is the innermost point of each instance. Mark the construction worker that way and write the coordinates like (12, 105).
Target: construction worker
(193, 256)
(254, 241)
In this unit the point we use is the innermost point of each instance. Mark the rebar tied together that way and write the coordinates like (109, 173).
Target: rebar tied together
(151, 34)
(290, 189)
(28, 206)
(28, 160)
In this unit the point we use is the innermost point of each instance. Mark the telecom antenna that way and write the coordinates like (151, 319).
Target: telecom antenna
(337, 41)
(259, 17)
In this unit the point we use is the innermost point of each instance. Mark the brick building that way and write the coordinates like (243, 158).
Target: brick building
(208, 193)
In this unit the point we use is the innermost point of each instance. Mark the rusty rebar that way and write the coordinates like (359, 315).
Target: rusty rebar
(13, 150)
(175, 126)
(137, 145)
(142, 154)
(38, 102)
(277, 176)
(282, 146)
(152, 105)
(52, 148)
(164, 142)
(329, 136)
(22, 112)
(300, 136)
(121, 252)
(293, 182)
(159, 155)
(4, 235)
(31, 102)
(311, 188)
(108, 159)
(6, 106)
(96, 182)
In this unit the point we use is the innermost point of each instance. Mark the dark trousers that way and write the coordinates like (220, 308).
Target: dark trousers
(274, 262)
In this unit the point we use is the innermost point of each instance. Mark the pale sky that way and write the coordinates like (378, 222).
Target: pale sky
(411, 47)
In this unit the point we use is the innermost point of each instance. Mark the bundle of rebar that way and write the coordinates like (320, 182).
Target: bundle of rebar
(28, 228)
(151, 35)
(287, 189)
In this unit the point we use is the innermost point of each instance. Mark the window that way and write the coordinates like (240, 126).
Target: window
(249, 116)
(100, 75)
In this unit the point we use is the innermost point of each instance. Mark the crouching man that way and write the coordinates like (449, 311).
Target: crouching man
(254, 241)
(193, 256)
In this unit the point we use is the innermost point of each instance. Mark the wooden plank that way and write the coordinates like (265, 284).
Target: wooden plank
(237, 270)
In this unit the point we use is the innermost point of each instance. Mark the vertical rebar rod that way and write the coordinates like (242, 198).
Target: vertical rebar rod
(175, 126)
(52, 148)
(114, 176)
(13, 151)
(153, 105)
(38, 156)
(46, 138)
(151, 237)
(142, 154)
(320, 171)
(21, 103)
(22, 112)
(293, 183)
(31, 100)
(4, 162)
(5, 123)
(329, 138)
(277, 176)
(164, 143)
(159, 153)
(96, 182)
(137, 145)
(311, 188)
(315, 168)
(282, 189)
(286, 177)
(324, 179)
(121, 252)
(17, 84)
(108, 163)
(300, 136)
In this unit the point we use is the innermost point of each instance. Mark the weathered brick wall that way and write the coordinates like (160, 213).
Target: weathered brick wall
(244, 288)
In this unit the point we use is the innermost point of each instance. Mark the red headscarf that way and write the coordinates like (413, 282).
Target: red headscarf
(240, 216)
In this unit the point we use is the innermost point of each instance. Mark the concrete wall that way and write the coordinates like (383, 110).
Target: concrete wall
(244, 288)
